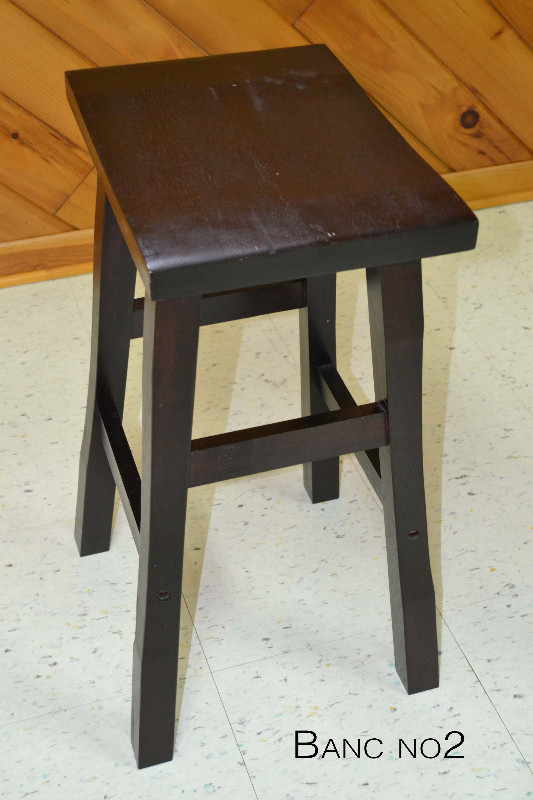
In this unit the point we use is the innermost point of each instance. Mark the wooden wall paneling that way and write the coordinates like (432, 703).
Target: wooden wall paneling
(483, 51)
(50, 256)
(36, 161)
(33, 62)
(224, 26)
(424, 66)
(290, 9)
(37, 274)
(493, 186)
(395, 68)
(415, 143)
(20, 218)
(110, 32)
(520, 14)
(78, 210)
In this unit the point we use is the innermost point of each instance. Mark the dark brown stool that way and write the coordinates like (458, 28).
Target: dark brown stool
(240, 185)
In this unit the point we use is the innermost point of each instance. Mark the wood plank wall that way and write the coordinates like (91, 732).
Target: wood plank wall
(455, 77)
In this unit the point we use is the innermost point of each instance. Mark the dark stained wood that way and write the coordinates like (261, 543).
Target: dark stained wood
(243, 303)
(283, 444)
(318, 346)
(237, 304)
(169, 372)
(228, 175)
(122, 464)
(236, 192)
(397, 328)
(113, 291)
(337, 395)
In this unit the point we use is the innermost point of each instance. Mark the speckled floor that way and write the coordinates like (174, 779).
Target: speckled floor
(285, 604)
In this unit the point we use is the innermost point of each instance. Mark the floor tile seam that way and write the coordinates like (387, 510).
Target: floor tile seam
(307, 647)
(61, 382)
(284, 349)
(455, 323)
(79, 309)
(489, 599)
(489, 698)
(27, 635)
(506, 294)
(87, 636)
(211, 596)
(55, 561)
(442, 611)
(452, 320)
(94, 701)
(220, 698)
(493, 358)
(64, 709)
(368, 485)
(61, 521)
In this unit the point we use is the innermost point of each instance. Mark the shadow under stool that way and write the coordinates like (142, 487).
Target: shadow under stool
(240, 185)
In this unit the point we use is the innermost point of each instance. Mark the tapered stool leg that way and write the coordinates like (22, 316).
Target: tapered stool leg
(318, 348)
(113, 294)
(169, 370)
(397, 326)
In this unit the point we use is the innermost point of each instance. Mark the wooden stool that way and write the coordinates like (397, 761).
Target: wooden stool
(240, 185)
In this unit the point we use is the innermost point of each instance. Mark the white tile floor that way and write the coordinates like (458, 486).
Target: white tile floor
(291, 623)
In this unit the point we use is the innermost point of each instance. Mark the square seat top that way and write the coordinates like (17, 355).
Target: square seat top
(249, 168)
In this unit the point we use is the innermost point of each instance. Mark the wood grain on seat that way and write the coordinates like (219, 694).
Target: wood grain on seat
(233, 170)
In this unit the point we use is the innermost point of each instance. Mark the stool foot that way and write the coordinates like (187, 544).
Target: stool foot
(152, 724)
(96, 495)
(169, 372)
(113, 289)
(397, 325)
(318, 348)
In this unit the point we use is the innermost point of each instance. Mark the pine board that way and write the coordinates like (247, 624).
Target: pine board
(21, 219)
(225, 26)
(78, 210)
(33, 62)
(111, 32)
(36, 161)
(485, 51)
(398, 71)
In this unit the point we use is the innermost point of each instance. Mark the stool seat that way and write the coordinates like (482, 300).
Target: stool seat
(251, 168)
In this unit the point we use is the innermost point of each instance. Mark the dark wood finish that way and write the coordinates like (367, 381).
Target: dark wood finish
(247, 451)
(241, 184)
(397, 327)
(252, 302)
(283, 444)
(318, 346)
(250, 450)
(169, 372)
(113, 292)
(337, 395)
(237, 304)
(122, 464)
(256, 168)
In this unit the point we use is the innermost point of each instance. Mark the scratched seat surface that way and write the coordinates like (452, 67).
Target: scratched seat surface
(249, 168)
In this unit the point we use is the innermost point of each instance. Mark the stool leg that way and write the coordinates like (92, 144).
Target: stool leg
(318, 348)
(113, 293)
(169, 370)
(397, 327)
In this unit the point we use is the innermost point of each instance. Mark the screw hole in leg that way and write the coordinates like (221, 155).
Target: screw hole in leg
(413, 535)
(163, 595)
